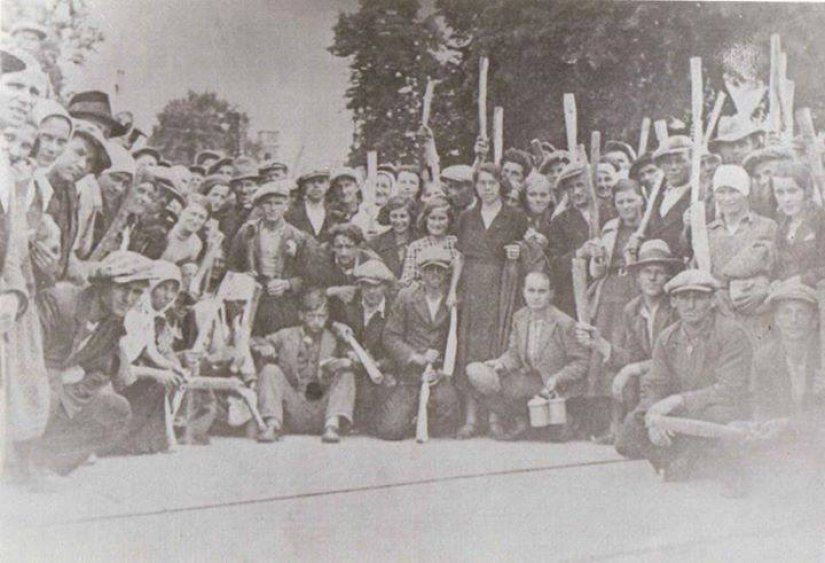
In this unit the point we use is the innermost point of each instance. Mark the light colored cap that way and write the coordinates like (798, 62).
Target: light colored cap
(655, 251)
(373, 272)
(434, 256)
(125, 266)
(673, 145)
(458, 173)
(346, 173)
(46, 107)
(35, 27)
(732, 176)
(279, 188)
(692, 280)
(165, 271)
(792, 289)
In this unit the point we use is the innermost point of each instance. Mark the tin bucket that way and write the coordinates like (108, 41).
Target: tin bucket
(538, 408)
(557, 410)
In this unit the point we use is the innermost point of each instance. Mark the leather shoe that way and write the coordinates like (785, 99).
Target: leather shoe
(272, 433)
(330, 435)
(519, 428)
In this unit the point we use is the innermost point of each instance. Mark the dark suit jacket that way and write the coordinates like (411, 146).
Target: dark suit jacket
(560, 354)
(384, 246)
(567, 233)
(369, 336)
(288, 344)
(297, 248)
(669, 228)
(633, 345)
(297, 217)
(409, 329)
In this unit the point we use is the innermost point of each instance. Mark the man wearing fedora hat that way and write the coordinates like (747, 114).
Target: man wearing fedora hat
(207, 157)
(736, 137)
(700, 370)
(146, 157)
(645, 171)
(309, 211)
(276, 254)
(81, 330)
(94, 107)
(642, 321)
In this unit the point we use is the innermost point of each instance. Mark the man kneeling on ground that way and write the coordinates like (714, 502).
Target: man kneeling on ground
(543, 357)
(700, 371)
(308, 386)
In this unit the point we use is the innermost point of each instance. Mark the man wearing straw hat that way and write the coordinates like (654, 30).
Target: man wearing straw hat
(736, 138)
(543, 356)
(700, 370)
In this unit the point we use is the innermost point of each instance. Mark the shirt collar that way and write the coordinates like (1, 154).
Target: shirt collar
(380, 309)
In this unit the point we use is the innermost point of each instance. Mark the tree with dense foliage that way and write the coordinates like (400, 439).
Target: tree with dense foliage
(623, 60)
(197, 122)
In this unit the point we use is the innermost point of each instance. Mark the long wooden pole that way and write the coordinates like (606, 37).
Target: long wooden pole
(660, 128)
(714, 115)
(644, 136)
(698, 228)
(427, 103)
(806, 127)
(484, 64)
(498, 134)
(571, 124)
(774, 85)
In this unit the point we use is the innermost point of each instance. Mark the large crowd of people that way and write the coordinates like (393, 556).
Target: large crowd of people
(145, 303)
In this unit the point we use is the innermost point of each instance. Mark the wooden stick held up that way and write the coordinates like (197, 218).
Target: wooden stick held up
(498, 134)
(715, 113)
(571, 124)
(484, 64)
(660, 128)
(698, 228)
(644, 136)
(427, 103)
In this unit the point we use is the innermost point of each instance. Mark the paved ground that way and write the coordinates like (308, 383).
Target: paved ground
(365, 500)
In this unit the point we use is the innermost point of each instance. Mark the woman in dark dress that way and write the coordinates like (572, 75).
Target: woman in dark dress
(801, 233)
(392, 245)
(487, 237)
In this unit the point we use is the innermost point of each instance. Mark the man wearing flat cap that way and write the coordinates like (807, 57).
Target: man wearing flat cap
(645, 171)
(415, 338)
(366, 316)
(788, 379)
(700, 370)
(736, 137)
(309, 211)
(621, 155)
(762, 165)
(457, 181)
(82, 328)
(271, 170)
(276, 254)
(243, 181)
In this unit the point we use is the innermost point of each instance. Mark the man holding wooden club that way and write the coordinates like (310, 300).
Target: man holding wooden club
(543, 356)
(700, 370)
(415, 338)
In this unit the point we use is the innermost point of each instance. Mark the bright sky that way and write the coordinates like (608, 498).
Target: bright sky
(267, 56)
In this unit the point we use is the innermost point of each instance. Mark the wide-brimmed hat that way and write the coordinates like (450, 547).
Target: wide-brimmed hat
(792, 289)
(280, 188)
(554, 157)
(147, 150)
(773, 152)
(166, 180)
(434, 256)
(245, 169)
(676, 144)
(208, 153)
(10, 63)
(621, 146)
(197, 169)
(94, 104)
(732, 129)
(93, 134)
(692, 280)
(34, 27)
(643, 160)
(215, 166)
(373, 272)
(210, 182)
(655, 251)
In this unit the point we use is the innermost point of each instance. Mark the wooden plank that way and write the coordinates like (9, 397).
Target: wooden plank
(451, 350)
(571, 123)
(806, 128)
(498, 134)
(698, 227)
(789, 90)
(644, 136)
(427, 103)
(775, 115)
(579, 271)
(484, 65)
(714, 115)
(660, 129)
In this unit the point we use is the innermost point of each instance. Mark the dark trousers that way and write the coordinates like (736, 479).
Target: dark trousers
(68, 442)
(396, 408)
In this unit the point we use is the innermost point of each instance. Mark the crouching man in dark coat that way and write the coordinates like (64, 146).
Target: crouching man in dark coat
(81, 329)
(700, 370)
